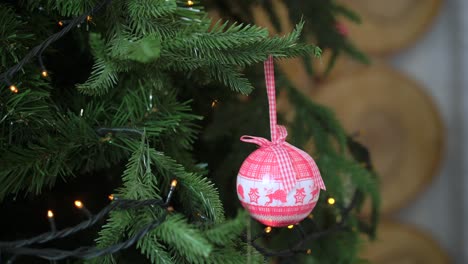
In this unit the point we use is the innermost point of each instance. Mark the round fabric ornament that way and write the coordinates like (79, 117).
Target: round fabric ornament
(278, 183)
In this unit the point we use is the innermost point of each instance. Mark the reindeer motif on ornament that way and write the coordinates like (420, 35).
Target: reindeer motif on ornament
(314, 192)
(279, 195)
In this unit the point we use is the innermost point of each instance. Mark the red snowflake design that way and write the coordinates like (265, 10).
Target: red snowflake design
(253, 194)
(300, 195)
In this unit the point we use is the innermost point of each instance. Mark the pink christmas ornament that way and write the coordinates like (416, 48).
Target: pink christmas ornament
(278, 183)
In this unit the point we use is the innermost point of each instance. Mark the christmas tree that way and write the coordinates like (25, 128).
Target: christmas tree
(143, 102)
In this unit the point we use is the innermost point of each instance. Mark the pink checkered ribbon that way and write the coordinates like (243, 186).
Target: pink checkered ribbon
(278, 136)
(284, 161)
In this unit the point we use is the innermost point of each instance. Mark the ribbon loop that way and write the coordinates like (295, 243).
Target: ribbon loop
(282, 134)
(278, 137)
(256, 140)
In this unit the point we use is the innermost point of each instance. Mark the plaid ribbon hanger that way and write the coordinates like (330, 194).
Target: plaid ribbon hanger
(278, 137)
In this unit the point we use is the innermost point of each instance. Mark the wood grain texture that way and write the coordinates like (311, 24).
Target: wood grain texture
(389, 26)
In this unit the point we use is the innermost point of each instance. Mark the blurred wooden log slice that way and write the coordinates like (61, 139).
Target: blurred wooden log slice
(389, 26)
(403, 244)
(398, 123)
(343, 66)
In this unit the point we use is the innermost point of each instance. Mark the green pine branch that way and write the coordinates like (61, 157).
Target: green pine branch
(13, 37)
(204, 197)
(150, 9)
(227, 231)
(187, 240)
(64, 7)
(104, 75)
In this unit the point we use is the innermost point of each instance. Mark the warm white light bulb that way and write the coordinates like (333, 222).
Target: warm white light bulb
(174, 183)
(50, 214)
(78, 204)
(13, 89)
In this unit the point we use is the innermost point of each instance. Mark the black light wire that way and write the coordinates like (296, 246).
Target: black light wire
(37, 50)
(305, 237)
(20, 247)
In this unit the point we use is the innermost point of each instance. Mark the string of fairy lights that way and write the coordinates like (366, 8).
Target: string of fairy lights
(67, 26)
(298, 246)
(24, 247)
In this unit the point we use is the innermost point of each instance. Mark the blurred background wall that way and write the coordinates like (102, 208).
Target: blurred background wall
(439, 61)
